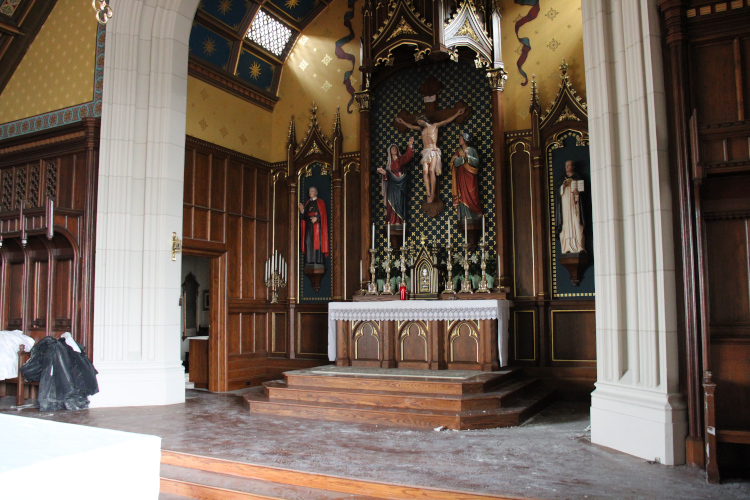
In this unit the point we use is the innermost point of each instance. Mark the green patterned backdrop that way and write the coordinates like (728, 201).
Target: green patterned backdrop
(461, 81)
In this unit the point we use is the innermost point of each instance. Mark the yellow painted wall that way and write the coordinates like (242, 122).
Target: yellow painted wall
(223, 119)
(58, 70)
(311, 64)
(556, 33)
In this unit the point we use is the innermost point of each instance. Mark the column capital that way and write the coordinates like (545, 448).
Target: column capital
(497, 77)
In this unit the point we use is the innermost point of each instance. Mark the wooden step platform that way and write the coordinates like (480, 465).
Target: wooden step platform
(206, 478)
(408, 398)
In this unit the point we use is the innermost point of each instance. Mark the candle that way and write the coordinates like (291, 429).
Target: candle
(466, 230)
(482, 228)
(266, 270)
(284, 270)
(404, 244)
(372, 240)
(498, 266)
(389, 235)
(449, 232)
(360, 271)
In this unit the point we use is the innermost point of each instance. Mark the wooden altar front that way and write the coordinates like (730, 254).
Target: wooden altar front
(422, 334)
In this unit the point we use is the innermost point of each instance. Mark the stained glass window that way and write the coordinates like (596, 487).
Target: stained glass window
(269, 33)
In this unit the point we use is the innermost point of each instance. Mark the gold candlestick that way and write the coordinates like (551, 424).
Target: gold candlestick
(483, 282)
(275, 282)
(372, 287)
(404, 251)
(387, 289)
(466, 285)
(449, 284)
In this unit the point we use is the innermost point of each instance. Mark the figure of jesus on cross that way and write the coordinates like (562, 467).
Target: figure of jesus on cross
(431, 162)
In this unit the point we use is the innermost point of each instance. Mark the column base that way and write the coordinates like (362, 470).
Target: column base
(139, 384)
(639, 422)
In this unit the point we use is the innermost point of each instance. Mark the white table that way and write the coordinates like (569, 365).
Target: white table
(45, 459)
(425, 310)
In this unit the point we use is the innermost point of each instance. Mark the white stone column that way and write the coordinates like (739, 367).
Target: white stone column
(636, 407)
(141, 165)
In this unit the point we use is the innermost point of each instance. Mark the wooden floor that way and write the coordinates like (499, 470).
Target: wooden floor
(480, 400)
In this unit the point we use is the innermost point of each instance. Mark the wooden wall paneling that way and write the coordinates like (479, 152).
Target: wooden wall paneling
(38, 255)
(218, 173)
(202, 179)
(261, 252)
(731, 374)
(744, 64)
(573, 335)
(522, 221)
(259, 333)
(234, 256)
(278, 337)
(247, 329)
(728, 278)
(463, 343)
(234, 187)
(200, 223)
(714, 82)
(234, 333)
(312, 332)
(524, 335)
(249, 190)
(249, 258)
(262, 195)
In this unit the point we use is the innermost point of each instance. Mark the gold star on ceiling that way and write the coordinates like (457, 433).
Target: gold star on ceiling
(225, 6)
(255, 70)
(209, 47)
(290, 4)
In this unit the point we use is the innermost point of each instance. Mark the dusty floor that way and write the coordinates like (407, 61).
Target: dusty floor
(551, 456)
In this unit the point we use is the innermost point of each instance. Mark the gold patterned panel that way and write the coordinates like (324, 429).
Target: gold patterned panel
(58, 69)
(228, 121)
(361, 329)
(457, 330)
(405, 332)
(556, 33)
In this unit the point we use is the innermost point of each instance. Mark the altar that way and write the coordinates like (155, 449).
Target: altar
(423, 334)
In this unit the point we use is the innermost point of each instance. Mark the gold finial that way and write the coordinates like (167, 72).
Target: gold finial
(534, 91)
(564, 67)
(313, 109)
(422, 239)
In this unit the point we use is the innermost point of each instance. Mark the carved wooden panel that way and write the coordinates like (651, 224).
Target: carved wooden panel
(366, 340)
(412, 342)
(730, 362)
(48, 284)
(715, 82)
(728, 278)
(463, 342)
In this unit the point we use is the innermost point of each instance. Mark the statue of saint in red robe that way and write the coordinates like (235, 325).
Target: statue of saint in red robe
(465, 170)
(395, 184)
(314, 229)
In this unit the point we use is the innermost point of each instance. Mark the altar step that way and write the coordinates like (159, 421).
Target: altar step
(193, 476)
(487, 400)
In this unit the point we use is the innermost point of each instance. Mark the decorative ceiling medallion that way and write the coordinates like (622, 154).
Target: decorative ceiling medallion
(403, 28)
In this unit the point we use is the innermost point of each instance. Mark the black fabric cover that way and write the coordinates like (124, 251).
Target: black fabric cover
(66, 378)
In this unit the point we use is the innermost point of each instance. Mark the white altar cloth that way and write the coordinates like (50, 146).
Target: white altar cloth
(425, 310)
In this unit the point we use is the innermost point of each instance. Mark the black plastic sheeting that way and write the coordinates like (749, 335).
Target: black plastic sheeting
(66, 377)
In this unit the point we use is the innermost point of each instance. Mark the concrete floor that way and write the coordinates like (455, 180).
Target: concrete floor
(551, 456)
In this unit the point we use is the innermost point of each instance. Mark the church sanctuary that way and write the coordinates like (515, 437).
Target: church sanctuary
(376, 249)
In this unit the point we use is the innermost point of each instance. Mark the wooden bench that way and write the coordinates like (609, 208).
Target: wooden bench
(19, 382)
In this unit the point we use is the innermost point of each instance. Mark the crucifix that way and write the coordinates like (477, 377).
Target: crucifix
(428, 122)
